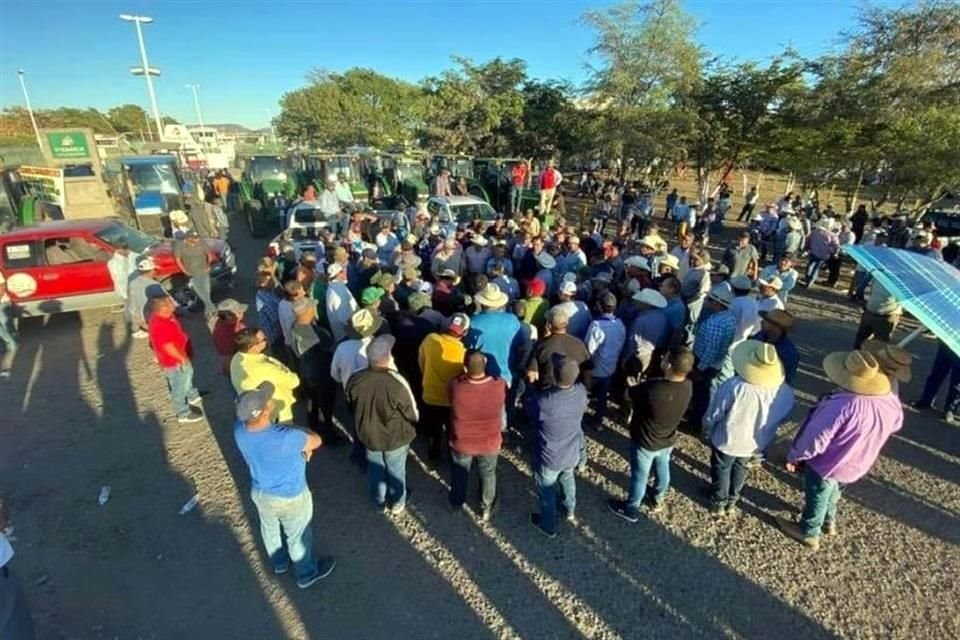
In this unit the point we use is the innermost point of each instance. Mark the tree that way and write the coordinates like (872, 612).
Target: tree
(550, 123)
(128, 118)
(359, 106)
(648, 59)
(476, 109)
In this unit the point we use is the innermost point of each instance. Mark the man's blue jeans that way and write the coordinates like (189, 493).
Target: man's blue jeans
(387, 474)
(201, 286)
(516, 195)
(182, 391)
(293, 516)
(460, 474)
(601, 392)
(728, 474)
(946, 365)
(7, 334)
(642, 461)
(813, 268)
(546, 481)
(821, 496)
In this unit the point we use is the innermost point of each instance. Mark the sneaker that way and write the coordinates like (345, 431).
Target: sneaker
(195, 415)
(5, 374)
(140, 334)
(200, 396)
(792, 529)
(538, 525)
(949, 417)
(280, 569)
(718, 512)
(622, 509)
(655, 506)
(398, 509)
(571, 518)
(830, 528)
(325, 567)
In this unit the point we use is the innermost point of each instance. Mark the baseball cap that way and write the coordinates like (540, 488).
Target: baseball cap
(370, 295)
(146, 264)
(568, 288)
(302, 305)
(608, 301)
(232, 306)
(251, 404)
(418, 302)
(334, 269)
(459, 324)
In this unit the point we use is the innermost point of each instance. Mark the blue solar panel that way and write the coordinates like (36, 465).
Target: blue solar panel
(927, 288)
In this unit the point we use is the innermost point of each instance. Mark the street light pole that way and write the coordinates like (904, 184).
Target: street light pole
(147, 71)
(26, 98)
(273, 130)
(196, 105)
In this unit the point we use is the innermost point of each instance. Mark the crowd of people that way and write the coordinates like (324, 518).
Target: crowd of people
(510, 333)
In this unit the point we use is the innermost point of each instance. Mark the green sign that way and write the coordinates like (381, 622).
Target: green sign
(68, 145)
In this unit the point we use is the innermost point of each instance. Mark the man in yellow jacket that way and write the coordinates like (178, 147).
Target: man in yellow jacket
(441, 360)
(250, 366)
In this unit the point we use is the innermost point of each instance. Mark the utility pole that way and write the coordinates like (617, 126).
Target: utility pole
(146, 70)
(26, 98)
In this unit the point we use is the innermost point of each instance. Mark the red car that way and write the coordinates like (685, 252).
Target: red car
(62, 265)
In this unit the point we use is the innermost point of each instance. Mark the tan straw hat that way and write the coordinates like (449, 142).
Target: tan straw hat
(492, 297)
(757, 363)
(857, 371)
(894, 360)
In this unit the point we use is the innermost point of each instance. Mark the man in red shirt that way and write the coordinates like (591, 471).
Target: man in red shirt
(518, 180)
(171, 345)
(476, 418)
(549, 181)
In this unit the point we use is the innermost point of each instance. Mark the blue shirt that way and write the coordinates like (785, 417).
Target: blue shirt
(605, 338)
(787, 353)
(648, 331)
(676, 313)
(494, 333)
(560, 431)
(268, 314)
(713, 339)
(275, 458)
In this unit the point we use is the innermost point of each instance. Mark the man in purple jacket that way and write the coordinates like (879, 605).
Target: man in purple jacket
(840, 440)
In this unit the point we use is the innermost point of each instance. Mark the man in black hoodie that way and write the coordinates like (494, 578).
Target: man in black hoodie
(385, 414)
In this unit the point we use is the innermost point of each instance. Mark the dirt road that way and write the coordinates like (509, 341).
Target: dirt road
(87, 407)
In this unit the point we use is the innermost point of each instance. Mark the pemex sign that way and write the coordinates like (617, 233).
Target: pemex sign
(68, 145)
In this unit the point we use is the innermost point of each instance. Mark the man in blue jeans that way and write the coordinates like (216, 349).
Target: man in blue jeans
(277, 456)
(946, 366)
(171, 346)
(559, 443)
(605, 339)
(840, 440)
(658, 409)
(385, 415)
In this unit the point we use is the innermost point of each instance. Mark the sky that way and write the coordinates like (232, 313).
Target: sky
(245, 55)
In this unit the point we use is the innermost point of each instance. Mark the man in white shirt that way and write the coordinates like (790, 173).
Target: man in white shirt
(785, 272)
(121, 265)
(343, 191)
(682, 254)
(340, 302)
(329, 200)
(744, 308)
(768, 297)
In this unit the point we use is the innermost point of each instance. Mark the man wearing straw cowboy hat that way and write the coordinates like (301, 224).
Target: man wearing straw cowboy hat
(894, 361)
(494, 333)
(742, 420)
(840, 440)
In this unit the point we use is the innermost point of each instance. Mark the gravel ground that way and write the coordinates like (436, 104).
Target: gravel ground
(86, 407)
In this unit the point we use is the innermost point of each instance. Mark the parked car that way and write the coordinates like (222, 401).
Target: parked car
(60, 266)
(452, 212)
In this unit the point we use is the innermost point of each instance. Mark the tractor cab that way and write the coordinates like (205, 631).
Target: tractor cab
(318, 168)
(400, 176)
(266, 186)
(495, 176)
(154, 187)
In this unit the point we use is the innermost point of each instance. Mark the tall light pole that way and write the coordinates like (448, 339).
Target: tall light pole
(196, 105)
(26, 98)
(146, 70)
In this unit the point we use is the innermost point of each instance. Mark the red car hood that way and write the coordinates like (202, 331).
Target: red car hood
(162, 254)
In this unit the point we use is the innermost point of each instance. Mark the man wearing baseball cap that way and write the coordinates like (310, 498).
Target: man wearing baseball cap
(171, 346)
(340, 303)
(711, 346)
(143, 286)
(578, 314)
(229, 323)
(605, 339)
(192, 255)
(251, 366)
(277, 456)
(441, 360)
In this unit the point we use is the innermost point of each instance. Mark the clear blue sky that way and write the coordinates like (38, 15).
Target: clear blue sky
(245, 55)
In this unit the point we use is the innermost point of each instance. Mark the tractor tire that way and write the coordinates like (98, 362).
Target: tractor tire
(256, 220)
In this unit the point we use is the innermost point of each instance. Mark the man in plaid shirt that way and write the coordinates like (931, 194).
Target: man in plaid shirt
(268, 317)
(711, 347)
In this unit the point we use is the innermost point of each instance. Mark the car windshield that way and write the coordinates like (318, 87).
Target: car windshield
(467, 213)
(153, 177)
(311, 215)
(463, 168)
(264, 168)
(116, 233)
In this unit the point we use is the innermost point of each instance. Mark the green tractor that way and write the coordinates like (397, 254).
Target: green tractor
(395, 175)
(495, 176)
(265, 181)
(317, 168)
(459, 167)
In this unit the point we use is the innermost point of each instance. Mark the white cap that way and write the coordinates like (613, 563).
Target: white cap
(568, 288)
(334, 270)
(146, 264)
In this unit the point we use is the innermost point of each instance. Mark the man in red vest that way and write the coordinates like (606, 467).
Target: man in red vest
(549, 181)
(518, 180)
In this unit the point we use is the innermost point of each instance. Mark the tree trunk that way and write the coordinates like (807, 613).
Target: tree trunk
(856, 192)
(791, 181)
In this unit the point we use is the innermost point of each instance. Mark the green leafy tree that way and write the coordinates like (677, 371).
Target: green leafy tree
(128, 118)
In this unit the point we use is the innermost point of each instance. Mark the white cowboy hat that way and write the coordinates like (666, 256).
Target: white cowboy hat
(670, 260)
(650, 297)
(492, 297)
(857, 371)
(757, 363)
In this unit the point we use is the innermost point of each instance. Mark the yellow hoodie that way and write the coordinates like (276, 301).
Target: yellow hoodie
(248, 370)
